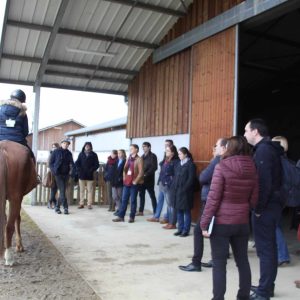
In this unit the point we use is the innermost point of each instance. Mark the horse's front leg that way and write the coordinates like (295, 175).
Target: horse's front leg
(14, 212)
(19, 245)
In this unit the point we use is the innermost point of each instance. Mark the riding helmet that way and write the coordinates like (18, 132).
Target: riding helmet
(19, 95)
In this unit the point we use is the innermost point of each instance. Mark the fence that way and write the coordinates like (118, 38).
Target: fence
(73, 191)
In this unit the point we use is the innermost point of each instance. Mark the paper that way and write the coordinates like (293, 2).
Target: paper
(211, 225)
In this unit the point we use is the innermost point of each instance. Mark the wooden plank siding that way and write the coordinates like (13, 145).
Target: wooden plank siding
(212, 115)
(158, 97)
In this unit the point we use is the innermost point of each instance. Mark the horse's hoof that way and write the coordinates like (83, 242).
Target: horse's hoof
(19, 249)
(8, 256)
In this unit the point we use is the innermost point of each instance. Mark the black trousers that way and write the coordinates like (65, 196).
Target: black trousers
(142, 191)
(62, 182)
(264, 228)
(198, 239)
(237, 236)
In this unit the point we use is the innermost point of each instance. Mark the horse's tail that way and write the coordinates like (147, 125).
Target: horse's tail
(3, 175)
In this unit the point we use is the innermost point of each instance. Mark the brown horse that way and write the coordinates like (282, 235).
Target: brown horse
(17, 178)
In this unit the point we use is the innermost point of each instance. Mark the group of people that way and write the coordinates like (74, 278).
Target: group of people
(239, 182)
(126, 179)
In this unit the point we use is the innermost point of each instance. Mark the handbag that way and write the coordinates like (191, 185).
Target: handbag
(48, 180)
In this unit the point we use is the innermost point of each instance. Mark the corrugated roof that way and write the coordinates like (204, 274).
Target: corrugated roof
(106, 125)
(57, 43)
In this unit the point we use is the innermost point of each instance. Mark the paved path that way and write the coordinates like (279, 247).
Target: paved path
(140, 260)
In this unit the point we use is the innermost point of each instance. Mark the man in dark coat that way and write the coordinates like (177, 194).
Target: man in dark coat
(61, 164)
(267, 212)
(205, 178)
(150, 166)
(86, 164)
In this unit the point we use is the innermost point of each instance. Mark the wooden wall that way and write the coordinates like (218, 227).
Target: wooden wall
(159, 98)
(213, 78)
(160, 94)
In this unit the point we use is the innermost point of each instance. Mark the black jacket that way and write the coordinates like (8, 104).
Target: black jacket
(182, 188)
(117, 178)
(61, 162)
(150, 166)
(86, 165)
(13, 121)
(267, 160)
(205, 177)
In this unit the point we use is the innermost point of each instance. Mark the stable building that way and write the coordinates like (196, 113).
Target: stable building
(195, 70)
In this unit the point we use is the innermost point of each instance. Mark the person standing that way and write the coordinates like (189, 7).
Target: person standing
(53, 188)
(61, 164)
(109, 170)
(117, 182)
(205, 178)
(133, 177)
(86, 164)
(267, 212)
(150, 166)
(183, 191)
(233, 192)
(282, 249)
(166, 176)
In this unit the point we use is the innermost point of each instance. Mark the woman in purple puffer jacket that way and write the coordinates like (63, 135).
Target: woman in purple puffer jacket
(233, 192)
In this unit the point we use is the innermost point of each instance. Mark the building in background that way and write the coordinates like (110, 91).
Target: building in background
(53, 134)
(104, 137)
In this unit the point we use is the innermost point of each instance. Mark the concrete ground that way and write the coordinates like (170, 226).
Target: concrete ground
(140, 260)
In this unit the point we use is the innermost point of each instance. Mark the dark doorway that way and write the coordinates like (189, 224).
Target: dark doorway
(269, 77)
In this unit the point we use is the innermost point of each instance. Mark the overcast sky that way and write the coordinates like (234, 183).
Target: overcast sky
(59, 105)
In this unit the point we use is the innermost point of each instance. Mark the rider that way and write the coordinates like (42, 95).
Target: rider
(13, 119)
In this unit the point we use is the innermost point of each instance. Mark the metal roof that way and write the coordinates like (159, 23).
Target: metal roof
(107, 125)
(86, 45)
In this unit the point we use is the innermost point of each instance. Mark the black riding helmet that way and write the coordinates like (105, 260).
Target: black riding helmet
(19, 95)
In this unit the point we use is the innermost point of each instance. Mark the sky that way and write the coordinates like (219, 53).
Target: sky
(59, 105)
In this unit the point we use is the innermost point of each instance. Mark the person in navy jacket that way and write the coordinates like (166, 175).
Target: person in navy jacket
(86, 164)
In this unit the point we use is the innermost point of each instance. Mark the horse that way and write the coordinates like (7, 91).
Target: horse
(18, 177)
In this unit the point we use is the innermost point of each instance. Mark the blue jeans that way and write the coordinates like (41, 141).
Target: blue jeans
(128, 192)
(282, 249)
(160, 204)
(184, 218)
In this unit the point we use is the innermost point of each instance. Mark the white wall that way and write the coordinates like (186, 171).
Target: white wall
(158, 147)
(104, 142)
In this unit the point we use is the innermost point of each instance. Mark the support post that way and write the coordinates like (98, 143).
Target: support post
(35, 132)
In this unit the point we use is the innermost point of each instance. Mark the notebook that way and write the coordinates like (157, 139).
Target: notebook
(211, 225)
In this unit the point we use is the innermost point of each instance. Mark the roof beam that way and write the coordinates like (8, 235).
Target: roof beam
(64, 87)
(57, 22)
(246, 11)
(54, 62)
(4, 26)
(82, 34)
(107, 38)
(86, 76)
(146, 6)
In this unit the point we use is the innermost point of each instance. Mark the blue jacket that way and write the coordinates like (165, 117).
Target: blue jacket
(206, 175)
(117, 178)
(167, 172)
(13, 121)
(267, 160)
(86, 165)
(61, 162)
